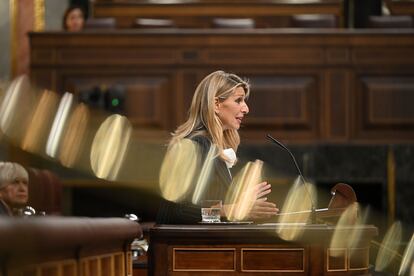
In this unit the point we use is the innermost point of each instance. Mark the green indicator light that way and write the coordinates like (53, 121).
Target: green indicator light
(115, 102)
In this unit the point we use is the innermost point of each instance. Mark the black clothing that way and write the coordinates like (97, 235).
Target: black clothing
(4, 210)
(217, 186)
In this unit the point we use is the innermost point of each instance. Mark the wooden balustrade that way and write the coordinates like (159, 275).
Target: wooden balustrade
(58, 246)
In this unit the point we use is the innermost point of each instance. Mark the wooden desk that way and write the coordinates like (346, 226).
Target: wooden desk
(401, 7)
(127, 11)
(254, 250)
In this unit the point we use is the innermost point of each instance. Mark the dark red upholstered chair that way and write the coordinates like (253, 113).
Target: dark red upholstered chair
(390, 21)
(314, 21)
(45, 191)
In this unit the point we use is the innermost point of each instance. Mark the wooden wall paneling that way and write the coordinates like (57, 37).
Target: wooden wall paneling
(147, 96)
(284, 105)
(381, 55)
(192, 22)
(44, 79)
(43, 56)
(187, 81)
(338, 55)
(336, 105)
(163, 67)
(265, 56)
(89, 56)
(385, 107)
(147, 101)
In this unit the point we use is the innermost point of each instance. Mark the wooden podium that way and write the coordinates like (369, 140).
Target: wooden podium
(256, 250)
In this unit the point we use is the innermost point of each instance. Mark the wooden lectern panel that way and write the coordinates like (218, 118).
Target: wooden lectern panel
(255, 250)
(273, 259)
(204, 259)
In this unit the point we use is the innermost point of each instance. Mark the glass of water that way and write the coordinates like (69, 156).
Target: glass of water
(210, 211)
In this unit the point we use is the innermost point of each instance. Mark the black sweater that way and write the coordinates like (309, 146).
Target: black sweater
(218, 183)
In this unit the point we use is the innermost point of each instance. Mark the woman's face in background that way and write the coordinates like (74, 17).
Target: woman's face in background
(15, 193)
(232, 110)
(74, 21)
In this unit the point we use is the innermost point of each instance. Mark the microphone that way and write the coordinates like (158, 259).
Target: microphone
(302, 178)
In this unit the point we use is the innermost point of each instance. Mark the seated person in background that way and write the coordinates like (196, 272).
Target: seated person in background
(73, 19)
(14, 192)
(217, 110)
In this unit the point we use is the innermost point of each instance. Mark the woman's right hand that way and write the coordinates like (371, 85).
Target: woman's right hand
(261, 208)
(253, 204)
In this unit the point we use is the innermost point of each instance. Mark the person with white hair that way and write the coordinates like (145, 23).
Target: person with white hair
(14, 192)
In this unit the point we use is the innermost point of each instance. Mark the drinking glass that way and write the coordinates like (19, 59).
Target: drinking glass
(210, 211)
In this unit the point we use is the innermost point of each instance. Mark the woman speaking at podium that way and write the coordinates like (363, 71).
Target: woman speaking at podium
(217, 110)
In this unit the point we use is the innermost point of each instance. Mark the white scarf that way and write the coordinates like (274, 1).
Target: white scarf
(231, 157)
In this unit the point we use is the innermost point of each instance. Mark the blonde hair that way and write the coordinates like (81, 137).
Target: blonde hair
(9, 171)
(202, 119)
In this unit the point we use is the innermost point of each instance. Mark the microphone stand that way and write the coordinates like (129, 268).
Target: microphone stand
(302, 178)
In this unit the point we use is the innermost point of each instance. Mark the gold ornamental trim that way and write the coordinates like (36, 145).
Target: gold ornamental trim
(38, 25)
(13, 34)
(39, 15)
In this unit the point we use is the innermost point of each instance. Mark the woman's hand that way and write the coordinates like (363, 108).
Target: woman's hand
(262, 209)
(252, 204)
(261, 189)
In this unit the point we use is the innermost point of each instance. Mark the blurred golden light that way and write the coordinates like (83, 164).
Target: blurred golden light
(389, 246)
(14, 92)
(58, 124)
(16, 108)
(241, 196)
(109, 146)
(296, 210)
(74, 136)
(204, 175)
(343, 231)
(178, 170)
(356, 234)
(35, 137)
(407, 260)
